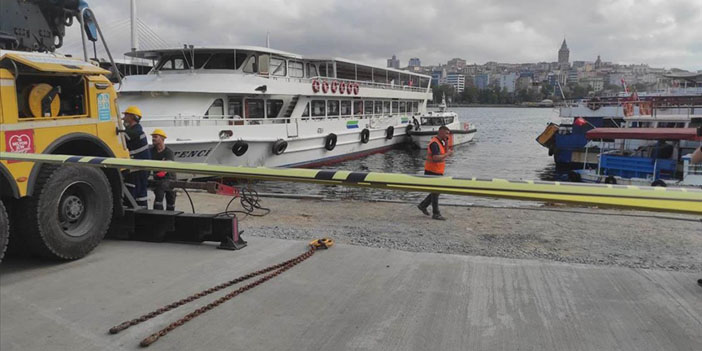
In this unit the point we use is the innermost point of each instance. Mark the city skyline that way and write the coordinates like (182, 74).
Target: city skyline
(655, 32)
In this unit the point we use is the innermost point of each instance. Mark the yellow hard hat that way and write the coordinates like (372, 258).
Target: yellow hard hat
(159, 132)
(133, 110)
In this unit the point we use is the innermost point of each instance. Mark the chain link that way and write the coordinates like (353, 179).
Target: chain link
(277, 269)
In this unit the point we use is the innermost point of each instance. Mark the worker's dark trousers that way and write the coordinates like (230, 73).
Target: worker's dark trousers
(159, 192)
(136, 182)
(432, 198)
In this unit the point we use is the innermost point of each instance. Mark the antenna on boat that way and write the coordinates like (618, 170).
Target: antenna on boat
(135, 39)
(268, 39)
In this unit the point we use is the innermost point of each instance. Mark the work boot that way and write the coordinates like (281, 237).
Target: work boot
(423, 209)
(438, 216)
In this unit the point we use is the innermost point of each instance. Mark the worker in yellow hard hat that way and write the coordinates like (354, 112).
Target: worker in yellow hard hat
(162, 179)
(138, 145)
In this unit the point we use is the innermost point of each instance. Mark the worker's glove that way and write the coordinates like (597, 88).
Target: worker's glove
(161, 174)
(117, 130)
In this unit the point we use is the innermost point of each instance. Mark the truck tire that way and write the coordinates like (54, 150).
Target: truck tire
(4, 230)
(69, 213)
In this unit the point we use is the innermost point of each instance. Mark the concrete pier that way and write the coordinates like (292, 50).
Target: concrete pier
(345, 298)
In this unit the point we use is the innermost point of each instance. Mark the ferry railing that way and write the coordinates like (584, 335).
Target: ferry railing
(158, 121)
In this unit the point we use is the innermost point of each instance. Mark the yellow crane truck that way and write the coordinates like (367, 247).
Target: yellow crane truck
(54, 104)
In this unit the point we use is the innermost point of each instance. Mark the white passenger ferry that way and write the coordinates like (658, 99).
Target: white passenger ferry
(254, 106)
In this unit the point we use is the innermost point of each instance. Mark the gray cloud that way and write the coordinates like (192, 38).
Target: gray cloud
(658, 32)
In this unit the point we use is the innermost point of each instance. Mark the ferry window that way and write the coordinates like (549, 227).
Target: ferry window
(273, 108)
(250, 65)
(318, 108)
(277, 67)
(368, 107)
(403, 107)
(312, 70)
(234, 108)
(323, 69)
(306, 113)
(378, 107)
(395, 107)
(296, 69)
(415, 106)
(263, 61)
(254, 108)
(201, 59)
(220, 61)
(358, 107)
(333, 108)
(386, 107)
(345, 108)
(216, 109)
(240, 58)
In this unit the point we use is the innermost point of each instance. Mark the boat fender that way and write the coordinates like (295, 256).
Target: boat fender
(659, 182)
(330, 142)
(574, 177)
(334, 86)
(240, 147)
(355, 89)
(390, 132)
(325, 86)
(610, 180)
(342, 87)
(279, 146)
(315, 86)
(365, 135)
(408, 130)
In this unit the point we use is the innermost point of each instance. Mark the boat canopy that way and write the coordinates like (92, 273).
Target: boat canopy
(260, 60)
(644, 133)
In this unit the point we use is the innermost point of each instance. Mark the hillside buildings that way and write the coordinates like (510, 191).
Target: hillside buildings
(595, 76)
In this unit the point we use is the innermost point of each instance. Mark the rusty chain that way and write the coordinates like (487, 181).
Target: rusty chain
(278, 269)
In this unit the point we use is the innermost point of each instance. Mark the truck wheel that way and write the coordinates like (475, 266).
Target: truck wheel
(69, 213)
(4, 230)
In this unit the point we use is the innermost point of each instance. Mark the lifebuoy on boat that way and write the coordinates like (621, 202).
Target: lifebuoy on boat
(315, 86)
(355, 89)
(279, 146)
(365, 136)
(628, 109)
(408, 130)
(325, 86)
(349, 88)
(342, 87)
(330, 142)
(240, 147)
(334, 86)
(390, 132)
(645, 108)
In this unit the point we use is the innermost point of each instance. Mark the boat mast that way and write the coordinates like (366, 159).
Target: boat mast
(135, 40)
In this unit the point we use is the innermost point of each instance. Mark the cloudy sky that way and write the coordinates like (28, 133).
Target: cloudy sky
(661, 33)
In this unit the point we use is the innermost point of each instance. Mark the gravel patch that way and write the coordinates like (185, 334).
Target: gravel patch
(583, 235)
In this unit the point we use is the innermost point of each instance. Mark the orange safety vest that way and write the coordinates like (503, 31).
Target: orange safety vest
(430, 165)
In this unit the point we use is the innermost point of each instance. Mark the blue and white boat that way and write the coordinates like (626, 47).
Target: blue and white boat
(661, 159)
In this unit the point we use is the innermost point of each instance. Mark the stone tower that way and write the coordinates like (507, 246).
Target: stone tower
(563, 55)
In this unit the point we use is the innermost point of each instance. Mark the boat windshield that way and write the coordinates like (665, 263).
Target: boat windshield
(436, 121)
(183, 61)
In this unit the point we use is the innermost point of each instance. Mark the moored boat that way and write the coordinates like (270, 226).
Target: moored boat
(662, 157)
(254, 106)
(426, 126)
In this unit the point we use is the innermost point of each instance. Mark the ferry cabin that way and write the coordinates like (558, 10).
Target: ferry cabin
(225, 92)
